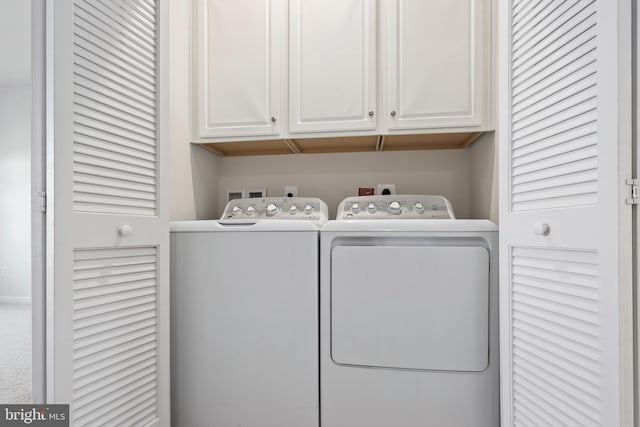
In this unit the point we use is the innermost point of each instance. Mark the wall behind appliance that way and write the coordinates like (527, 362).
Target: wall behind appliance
(194, 170)
(483, 155)
(15, 193)
(332, 177)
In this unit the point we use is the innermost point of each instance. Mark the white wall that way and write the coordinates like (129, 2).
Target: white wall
(15, 38)
(193, 169)
(15, 190)
(332, 177)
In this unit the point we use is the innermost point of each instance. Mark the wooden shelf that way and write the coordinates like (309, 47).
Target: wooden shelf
(443, 141)
(250, 148)
(337, 145)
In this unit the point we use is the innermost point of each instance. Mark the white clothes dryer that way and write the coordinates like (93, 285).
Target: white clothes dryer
(244, 315)
(409, 316)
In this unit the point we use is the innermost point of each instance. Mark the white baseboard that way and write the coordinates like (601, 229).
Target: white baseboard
(15, 300)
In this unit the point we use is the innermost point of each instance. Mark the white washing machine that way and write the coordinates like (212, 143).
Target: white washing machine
(409, 316)
(244, 315)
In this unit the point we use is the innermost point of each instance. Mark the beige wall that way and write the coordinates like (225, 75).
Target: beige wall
(483, 155)
(193, 169)
(332, 177)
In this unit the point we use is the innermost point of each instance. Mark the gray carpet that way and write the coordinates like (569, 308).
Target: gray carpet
(15, 353)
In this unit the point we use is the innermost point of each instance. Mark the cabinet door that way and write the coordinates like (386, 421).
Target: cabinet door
(332, 60)
(237, 67)
(434, 66)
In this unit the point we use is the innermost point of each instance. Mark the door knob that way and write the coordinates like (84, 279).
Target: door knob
(541, 229)
(125, 230)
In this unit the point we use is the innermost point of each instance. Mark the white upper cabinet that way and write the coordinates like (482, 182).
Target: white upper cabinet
(299, 69)
(332, 65)
(236, 68)
(434, 69)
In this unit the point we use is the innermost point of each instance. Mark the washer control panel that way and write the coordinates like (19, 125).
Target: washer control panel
(395, 207)
(310, 209)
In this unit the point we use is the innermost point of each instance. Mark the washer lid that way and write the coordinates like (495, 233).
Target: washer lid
(415, 226)
(259, 225)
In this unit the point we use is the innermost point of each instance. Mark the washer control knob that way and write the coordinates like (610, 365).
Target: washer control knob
(272, 209)
(308, 209)
(355, 208)
(371, 208)
(236, 210)
(395, 208)
(293, 210)
(418, 207)
(250, 210)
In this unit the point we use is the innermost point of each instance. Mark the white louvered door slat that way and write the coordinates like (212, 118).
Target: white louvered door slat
(108, 290)
(565, 141)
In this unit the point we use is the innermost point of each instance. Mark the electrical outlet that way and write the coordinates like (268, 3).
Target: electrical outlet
(235, 194)
(290, 191)
(386, 189)
(4, 271)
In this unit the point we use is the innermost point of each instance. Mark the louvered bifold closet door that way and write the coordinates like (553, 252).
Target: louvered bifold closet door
(114, 54)
(108, 337)
(554, 98)
(564, 226)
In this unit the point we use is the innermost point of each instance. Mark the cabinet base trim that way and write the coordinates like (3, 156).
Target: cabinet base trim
(442, 141)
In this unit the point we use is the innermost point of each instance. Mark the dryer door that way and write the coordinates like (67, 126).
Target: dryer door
(412, 307)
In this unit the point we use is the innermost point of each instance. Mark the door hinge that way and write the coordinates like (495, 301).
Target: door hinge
(43, 201)
(633, 183)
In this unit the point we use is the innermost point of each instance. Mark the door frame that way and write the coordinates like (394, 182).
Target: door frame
(635, 112)
(38, 202)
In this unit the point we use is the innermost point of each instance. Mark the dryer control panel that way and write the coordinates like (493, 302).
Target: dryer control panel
(301, 208)
(395, 207)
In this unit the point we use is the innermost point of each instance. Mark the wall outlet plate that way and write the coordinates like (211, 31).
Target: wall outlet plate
(235, 194)
(256, 194)
(383, 187)
(290, 191)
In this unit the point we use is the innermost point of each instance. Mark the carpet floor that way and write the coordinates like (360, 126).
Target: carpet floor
(15, 353)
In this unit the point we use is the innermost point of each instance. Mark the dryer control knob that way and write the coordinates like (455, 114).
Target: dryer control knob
(308, 209)
(250, 210)
(293, 210)
(355, 208)
(272, 209)
(236, 210)
(418, 207)
(395, 208)
(371, 208)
